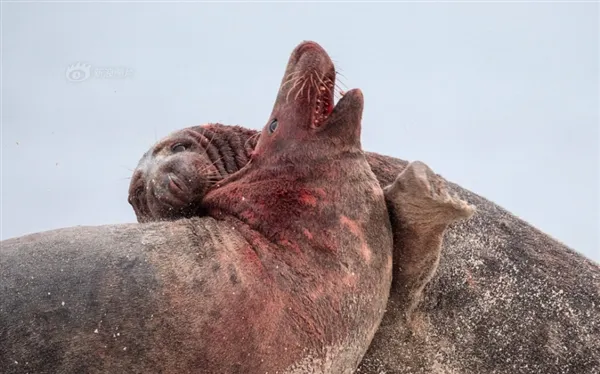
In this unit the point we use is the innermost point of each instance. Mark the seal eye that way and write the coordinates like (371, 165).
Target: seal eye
(178, 148)
(273, 126)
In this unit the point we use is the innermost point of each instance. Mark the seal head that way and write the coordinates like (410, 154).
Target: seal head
(304, 108)
(302, 156)
(172, 178)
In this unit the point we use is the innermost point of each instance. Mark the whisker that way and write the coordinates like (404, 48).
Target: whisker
(290, 90)
(338, 71)
(340, 88)
(287, 81)
(217, 160)
(323, 81)
(213, 164)
(250, 139)
(312, 84)
(295, 72)
(340, 82)
(329, 84)
(300, 90)
(290, 77)
(210, 140)
(294, 86)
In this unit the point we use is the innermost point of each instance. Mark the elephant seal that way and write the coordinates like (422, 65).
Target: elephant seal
(239, 291)
(505, 298)
(420, 207)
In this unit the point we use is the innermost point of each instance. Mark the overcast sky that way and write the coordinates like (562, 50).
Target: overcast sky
(500, 98)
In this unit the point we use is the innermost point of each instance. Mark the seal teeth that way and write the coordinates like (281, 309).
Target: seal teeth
(324, 102)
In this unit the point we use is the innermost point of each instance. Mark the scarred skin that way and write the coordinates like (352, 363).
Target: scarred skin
(239, 291)
(420, 207)
(495, 304)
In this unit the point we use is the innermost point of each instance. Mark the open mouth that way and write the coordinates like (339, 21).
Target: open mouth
(324, 103)
(311, 78)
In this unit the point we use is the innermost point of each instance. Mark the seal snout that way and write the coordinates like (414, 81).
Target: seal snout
(176, 185)
(309, 82)
(178, 180)
(167, 184)
(307, 47)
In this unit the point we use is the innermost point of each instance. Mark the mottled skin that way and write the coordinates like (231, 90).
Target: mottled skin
(420, 207)
(239, 291)
(506, 297)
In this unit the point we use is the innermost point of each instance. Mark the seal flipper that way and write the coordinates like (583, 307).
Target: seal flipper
(420, 209)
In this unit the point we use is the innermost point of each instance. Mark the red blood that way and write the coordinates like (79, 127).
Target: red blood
(307, 198)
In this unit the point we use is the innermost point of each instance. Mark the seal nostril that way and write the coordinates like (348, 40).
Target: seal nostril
(138, 192)
(175, 184)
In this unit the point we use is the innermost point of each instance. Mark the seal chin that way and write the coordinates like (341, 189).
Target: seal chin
(345, 120)
(349, 108)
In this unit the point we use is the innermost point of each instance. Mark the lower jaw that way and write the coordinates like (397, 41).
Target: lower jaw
(319, 121)
(321, 113)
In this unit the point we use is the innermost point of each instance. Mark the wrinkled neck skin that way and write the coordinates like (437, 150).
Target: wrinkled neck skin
(290, 188)
(320, 232)
(228, 147)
